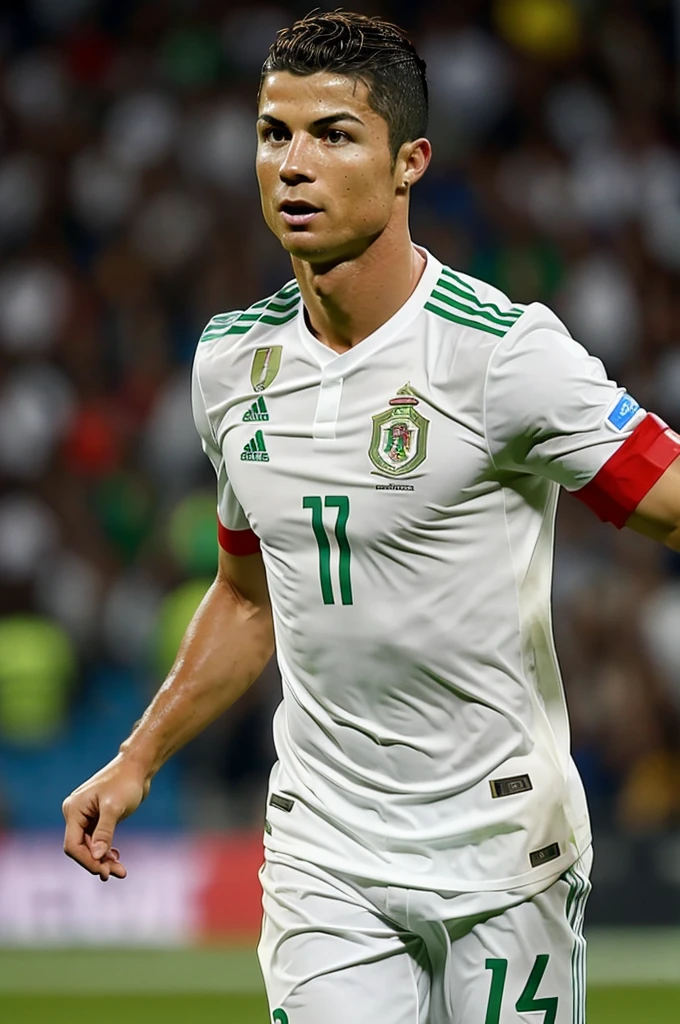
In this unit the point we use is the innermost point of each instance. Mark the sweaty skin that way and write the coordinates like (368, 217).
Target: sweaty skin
(323, 149)
(346, 169)
(308, 152)
(227, 645)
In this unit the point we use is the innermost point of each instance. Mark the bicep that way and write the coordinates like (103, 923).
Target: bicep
(658, 513)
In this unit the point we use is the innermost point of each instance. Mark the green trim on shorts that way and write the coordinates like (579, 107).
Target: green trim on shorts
(579, 890)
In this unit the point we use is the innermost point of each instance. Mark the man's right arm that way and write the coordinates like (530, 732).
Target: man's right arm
(225, 648)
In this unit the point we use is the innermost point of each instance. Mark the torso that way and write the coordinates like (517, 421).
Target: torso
(396, 558)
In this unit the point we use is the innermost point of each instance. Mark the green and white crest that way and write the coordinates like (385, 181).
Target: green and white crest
(399, 438)
(266, 365)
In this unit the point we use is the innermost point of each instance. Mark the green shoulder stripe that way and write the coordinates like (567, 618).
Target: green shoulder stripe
(217, 326)
(463, 307)
(276, 310)
(469, 308)
(449, 315)
(455, 284)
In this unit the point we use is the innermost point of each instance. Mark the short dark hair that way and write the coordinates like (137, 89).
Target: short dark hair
(374, 51)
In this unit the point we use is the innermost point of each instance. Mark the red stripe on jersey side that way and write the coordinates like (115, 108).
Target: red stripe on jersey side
(619, 487)
(237, 542)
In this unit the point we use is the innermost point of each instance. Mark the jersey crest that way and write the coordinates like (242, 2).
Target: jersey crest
(399, 438)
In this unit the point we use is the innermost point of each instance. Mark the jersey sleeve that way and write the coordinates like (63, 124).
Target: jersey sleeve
(551, 410)
(233, 530)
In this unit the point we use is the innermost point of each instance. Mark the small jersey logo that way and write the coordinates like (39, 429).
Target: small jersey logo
(266, 365)
(623, 412)
(399, 438)
(257, 412)
(255, 450)
(280, 1017)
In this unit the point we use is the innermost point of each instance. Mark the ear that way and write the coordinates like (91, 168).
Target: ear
(412, 161)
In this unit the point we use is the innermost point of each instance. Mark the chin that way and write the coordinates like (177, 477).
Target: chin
(303, 245)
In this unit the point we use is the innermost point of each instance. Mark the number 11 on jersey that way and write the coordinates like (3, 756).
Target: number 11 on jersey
(316, 505)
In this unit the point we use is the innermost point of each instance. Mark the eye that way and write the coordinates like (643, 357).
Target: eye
(274, 134)
(336, 137)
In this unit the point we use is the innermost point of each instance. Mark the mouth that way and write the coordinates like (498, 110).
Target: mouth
(298, 212)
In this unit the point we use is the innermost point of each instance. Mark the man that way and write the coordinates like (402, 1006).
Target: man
(389, 438)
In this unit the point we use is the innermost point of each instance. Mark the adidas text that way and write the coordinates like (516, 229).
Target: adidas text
(255, 456)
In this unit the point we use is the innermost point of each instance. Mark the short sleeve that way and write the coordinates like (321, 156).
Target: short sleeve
(550, 409)
(233, 529)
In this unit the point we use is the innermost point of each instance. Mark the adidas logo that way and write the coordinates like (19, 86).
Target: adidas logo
(255, 450)
(257, 412)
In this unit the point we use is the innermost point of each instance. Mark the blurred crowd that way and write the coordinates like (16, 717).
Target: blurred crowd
(129, 216)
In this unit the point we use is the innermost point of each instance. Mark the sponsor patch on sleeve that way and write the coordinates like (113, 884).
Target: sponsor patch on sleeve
(623, 412)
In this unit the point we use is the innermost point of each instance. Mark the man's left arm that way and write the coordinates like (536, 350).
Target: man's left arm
(551, 410)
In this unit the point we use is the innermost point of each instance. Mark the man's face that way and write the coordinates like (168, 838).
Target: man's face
(324, 165)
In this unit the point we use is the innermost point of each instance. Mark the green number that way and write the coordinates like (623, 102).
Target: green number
(527, 1001)
(324, 547)
(341, 503)
(280, 1017)
(499, 971)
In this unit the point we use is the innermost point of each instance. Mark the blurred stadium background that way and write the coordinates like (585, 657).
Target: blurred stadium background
(128, 216)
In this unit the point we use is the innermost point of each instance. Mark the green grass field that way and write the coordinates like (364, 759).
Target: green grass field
(635, 979)
(606, 1006)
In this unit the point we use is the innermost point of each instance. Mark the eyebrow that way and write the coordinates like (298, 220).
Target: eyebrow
(321, 122)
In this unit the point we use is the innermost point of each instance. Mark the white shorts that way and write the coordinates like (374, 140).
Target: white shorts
(333, 951)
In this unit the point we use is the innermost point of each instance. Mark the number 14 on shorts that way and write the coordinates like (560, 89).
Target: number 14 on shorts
(527, 1001)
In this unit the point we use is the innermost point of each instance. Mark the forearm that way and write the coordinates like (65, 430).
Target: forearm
(228, 643)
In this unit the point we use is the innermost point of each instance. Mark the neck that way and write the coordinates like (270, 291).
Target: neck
(347, 301)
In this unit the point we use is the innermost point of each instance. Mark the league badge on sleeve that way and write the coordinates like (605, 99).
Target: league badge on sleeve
(399, 438)
(620, 416)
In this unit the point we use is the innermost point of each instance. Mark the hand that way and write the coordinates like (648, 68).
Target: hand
(94, 809)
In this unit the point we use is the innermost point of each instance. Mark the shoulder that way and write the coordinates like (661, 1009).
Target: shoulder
(470, 303)
(226, 345)
(540, 339)
(224, 330)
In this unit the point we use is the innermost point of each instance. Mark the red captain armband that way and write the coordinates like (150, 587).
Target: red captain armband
(619, 487)
(237, 542)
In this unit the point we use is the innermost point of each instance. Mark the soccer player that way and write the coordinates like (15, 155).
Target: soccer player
(389, 437)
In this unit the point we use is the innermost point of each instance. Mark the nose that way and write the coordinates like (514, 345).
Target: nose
(297, 164)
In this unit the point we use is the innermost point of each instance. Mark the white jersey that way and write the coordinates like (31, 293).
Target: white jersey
(404, 496)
